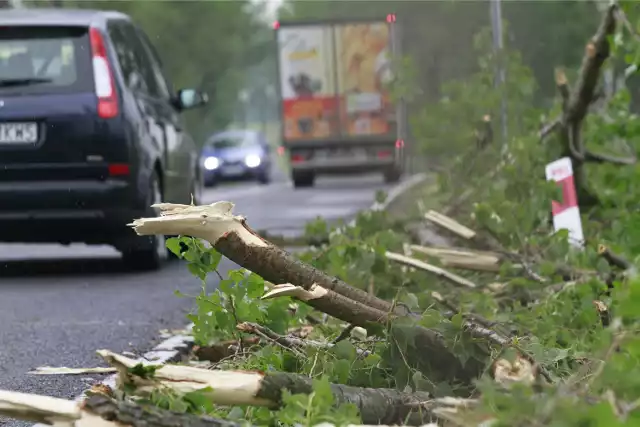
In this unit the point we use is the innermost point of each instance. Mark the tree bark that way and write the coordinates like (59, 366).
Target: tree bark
(278, 266)
(123, 413)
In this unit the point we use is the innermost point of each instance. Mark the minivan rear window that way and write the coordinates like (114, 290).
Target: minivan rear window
(35, 60)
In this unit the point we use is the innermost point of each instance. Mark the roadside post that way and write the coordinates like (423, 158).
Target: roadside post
(566, 214)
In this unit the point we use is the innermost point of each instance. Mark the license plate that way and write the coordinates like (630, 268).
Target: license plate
(232, 170)
(351, 154)
(18, 133)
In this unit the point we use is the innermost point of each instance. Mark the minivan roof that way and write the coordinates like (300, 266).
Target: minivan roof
(57, 17)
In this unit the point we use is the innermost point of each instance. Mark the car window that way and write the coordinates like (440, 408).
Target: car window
(231, 140)
(141, 78)
(129, 66)
(45, 60)
(164, 87)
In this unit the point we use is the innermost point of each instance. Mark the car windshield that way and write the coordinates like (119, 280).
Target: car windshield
(44, 59)
(233, 140)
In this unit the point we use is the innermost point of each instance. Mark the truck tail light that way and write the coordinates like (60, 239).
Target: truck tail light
(103, 76)
(384, 154)
(297, 158)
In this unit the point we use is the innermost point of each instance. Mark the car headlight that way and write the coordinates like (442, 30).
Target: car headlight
(252, 161)
(211, 163)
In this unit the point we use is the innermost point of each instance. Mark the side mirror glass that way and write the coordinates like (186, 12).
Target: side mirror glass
(191, 98)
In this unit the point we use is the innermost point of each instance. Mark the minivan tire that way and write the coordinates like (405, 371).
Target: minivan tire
(302, 179)
(264, 177)
(154, 255)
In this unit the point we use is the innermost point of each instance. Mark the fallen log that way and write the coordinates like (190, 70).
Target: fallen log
(376, 406)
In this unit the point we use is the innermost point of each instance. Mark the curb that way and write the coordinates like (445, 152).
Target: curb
(174, 348)
(394, 193)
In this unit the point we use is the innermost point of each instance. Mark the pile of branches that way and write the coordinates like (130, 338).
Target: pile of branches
(425, 348)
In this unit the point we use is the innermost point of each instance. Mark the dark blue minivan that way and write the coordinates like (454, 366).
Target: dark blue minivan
(91, 132)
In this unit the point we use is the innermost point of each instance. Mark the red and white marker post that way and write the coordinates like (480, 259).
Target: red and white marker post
(566, 214)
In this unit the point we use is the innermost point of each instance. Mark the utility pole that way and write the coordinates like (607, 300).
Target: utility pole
(498, 46)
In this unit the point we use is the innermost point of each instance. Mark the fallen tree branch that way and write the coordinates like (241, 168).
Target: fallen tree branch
(605, 158)
(291, 343)
(412, 262)
(376, 406)
(450, 224)
(613, 259)
(332, 304)
(231, 236)
(50, 370)
(464, 259)
(549, 129)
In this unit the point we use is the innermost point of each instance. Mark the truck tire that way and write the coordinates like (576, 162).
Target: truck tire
(302, 179)
(392, 175)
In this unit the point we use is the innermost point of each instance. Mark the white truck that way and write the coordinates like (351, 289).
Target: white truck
(336, 110)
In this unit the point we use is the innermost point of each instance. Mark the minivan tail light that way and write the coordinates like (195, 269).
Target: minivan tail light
(118, 169)
(103, 76)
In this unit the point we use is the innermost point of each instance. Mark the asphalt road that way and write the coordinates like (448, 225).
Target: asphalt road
(59, 304)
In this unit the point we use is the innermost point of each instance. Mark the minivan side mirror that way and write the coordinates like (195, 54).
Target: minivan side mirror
(190, 98)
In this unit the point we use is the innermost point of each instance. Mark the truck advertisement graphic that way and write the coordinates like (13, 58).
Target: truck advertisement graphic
(336, 111)
(310, 107)
(363, 70)
(332, 80)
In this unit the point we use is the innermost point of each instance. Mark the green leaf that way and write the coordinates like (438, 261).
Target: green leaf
(226, 286)
(345, 350)
(143, 371)
(341, 370)
(255, 286)
(214, 261)
(173, 244)
(237, 275)
(199, 402)
(457, 320)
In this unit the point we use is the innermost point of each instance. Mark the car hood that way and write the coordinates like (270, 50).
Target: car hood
(232, 154)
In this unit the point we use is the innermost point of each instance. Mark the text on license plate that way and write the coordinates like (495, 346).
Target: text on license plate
(18, 133)
(232, 170)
